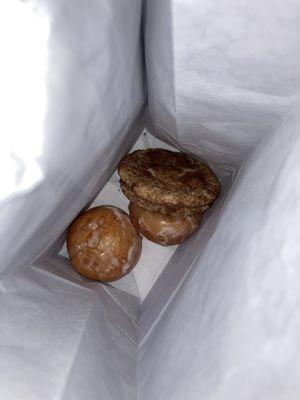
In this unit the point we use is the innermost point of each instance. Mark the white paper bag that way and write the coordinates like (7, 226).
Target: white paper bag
(232, 329)
(221, 321)
(71, 96)
(89, 78)
(221, 73)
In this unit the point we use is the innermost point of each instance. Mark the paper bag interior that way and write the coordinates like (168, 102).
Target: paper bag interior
(215, 318)
(154, 258)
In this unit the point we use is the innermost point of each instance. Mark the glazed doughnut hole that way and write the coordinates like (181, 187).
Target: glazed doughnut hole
(103, 244)
(163, 229)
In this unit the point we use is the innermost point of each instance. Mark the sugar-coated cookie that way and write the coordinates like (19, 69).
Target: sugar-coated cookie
(170, 182)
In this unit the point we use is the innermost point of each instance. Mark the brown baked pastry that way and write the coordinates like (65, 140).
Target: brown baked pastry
(175, 211)
(168, 182)
(103, 244)
(163, 229)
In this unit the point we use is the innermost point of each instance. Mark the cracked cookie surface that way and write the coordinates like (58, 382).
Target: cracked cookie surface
(168, 182)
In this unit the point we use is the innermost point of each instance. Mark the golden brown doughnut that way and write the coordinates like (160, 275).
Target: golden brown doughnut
(103, 244)
(163, 229)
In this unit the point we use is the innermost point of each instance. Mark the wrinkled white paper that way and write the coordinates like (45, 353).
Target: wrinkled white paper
(222, 77)
(71, 105)
(64, 122)
(221, 74)
(232, 329)
(222, 320)
(61, 339)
